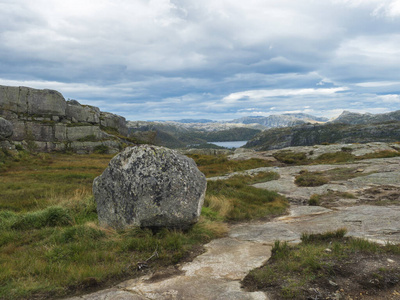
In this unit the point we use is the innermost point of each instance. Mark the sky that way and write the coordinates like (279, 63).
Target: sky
(214, 59)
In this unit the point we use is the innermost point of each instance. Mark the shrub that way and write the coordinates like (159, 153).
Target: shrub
(101, 149)
(19, 147)
(290, 157)
(307, 179)
(314, 200)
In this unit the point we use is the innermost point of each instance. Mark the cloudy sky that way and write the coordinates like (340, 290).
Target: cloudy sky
(216, 59)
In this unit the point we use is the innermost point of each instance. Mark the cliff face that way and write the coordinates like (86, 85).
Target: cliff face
(46, 120)
(308, 135)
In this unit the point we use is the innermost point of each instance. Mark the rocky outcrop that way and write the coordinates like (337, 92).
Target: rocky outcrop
(45, 119)
(114, 122)
(316, 134)
(6, 129)
(149, 186)
(82, 113)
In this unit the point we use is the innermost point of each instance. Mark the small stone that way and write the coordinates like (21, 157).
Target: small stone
(332, 283)
(328, 250)
(390, 260)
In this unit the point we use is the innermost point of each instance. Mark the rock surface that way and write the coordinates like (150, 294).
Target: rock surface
(149, 187)
(6, 129)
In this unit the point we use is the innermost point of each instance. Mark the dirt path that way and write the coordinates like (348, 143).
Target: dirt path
(216, 274)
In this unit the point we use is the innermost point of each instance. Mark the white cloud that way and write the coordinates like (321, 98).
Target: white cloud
(378, 83)
(389, 98)
(263, 94)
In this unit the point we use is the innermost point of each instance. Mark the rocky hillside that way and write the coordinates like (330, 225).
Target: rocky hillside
(308, 135)
(348, 117)
(44, 121)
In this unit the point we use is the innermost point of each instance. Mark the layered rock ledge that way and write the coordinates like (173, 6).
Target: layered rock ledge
(43, 118)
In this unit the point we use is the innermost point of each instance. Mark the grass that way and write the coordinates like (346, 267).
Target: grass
(306, 178)
(340, 157)
(235, 200)
(31, 182)
(212, 165)
(291, 158)
(50, 242)
(292, 271)
(327, 198)
(334, 158)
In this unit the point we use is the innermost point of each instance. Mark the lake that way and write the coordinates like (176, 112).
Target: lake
(234, 144)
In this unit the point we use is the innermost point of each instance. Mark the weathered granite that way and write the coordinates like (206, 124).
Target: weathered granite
(82, 113)
(6, 129)
(86, 133)
(113, 121)
(149, 186)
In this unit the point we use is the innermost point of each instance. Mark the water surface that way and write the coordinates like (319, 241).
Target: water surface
(232, 144)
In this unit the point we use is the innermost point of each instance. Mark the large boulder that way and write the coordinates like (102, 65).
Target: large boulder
(149, 186)
(6, 128)
(114, 122)
(82, 113)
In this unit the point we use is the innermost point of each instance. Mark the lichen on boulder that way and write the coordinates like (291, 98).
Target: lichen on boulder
(149, 186)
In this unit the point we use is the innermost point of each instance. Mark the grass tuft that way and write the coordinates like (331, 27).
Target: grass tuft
(307, 238)
(307, 179)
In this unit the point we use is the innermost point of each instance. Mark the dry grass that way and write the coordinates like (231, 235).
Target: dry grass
(220, 204)
(212, 165)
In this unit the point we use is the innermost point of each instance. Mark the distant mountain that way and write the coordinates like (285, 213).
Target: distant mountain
(194, 121)
(316, 134)
(283, 120)
(178, 135)
(348, 117)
